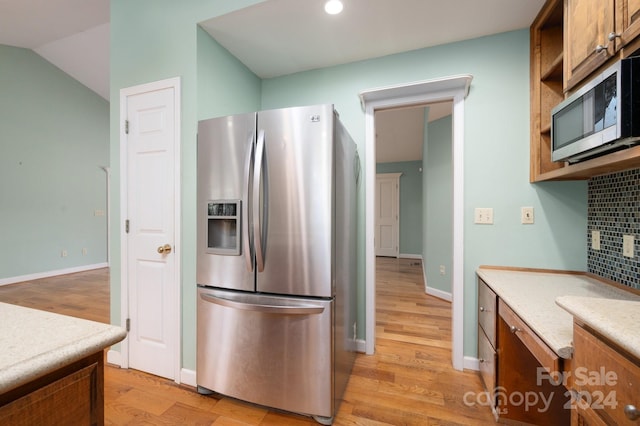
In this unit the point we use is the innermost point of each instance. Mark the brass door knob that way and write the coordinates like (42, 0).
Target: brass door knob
(165, 249)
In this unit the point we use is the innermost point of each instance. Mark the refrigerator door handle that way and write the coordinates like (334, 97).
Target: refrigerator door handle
(247, 237)
(270, 309)
(257, 231)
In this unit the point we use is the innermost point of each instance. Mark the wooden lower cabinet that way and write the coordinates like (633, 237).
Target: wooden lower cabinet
(72, 395)
(606, 382)
(512, 360)
(526, 393)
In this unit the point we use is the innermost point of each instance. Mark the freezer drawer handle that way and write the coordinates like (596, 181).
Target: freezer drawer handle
(270, 309)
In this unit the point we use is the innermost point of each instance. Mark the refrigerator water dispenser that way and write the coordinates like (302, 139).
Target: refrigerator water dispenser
(223, 217)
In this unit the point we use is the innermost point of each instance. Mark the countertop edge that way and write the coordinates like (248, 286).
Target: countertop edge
(598, 320)
(31, 369)
(562, 341)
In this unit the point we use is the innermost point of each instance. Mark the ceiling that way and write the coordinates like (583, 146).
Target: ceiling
(272, 38)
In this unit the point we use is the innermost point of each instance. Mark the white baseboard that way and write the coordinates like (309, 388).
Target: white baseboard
(39, 275)
(470, 363)
(361, 346)
(410, 256)
(188, 377)
(114, 357)
(439, 294)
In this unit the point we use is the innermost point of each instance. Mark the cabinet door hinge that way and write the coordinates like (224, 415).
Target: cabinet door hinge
(128, 324)
(126, 127)
(126, 226)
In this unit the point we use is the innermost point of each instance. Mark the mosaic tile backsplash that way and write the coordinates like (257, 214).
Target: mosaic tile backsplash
(614, 210)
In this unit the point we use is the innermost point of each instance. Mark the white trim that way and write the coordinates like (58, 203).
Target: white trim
(457, 269)
(107, 171)
(450, 88)
(410, 256)
(471, 363)
(124, 285)
(438, 293)
(114, 357)
(47, 274)
(188, 377)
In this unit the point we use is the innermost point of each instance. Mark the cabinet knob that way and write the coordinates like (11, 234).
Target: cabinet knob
(601, 47)
(631, 412)
(481, 360)
(514, 329)
(612, 36)
(482, 309)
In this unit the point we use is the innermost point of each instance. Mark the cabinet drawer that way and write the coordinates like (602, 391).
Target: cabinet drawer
(488, 359)
(606, 380)
(487, 311)
(545, 356)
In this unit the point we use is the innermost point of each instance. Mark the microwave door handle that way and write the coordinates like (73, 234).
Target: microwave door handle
(257, 228)
(246, 208)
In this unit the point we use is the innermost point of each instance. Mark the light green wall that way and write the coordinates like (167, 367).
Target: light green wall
(156, 39)
(54, 136)
(225, 87)
(496, 154)
(438, 181)
(410, 203)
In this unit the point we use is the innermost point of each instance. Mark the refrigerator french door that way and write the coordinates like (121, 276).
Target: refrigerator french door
(271, 257)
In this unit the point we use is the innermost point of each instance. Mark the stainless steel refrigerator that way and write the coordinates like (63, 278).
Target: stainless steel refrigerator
(276, 258)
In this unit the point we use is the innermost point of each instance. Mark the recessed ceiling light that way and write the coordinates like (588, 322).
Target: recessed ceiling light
(333, 7)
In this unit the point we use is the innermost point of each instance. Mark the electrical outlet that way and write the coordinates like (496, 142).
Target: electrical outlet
(98, 212)
(627, 245)
(63, 253)
(84, 251)
(526, 215)
(442, 270)
(483, 215)
(595, 240)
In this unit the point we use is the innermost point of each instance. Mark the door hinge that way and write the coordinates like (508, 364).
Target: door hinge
(128, 324)
(126, 127)
(126, 226)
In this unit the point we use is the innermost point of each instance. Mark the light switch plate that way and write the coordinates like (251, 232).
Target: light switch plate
(483, 215)
(526, 215)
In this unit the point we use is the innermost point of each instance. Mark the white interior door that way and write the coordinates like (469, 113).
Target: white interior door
(387, 223)
(151, 281)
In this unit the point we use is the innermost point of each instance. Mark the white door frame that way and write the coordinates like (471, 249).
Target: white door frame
(124, 256)
(453, 88)
(395, 177)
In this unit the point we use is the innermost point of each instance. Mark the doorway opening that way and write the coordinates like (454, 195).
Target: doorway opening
(453, 89)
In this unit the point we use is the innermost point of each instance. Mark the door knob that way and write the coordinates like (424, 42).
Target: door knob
(165, 249)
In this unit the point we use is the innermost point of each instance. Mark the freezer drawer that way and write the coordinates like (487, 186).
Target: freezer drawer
(272, 351)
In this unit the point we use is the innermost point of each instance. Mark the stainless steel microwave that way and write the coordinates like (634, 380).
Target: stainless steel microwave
(604, 115)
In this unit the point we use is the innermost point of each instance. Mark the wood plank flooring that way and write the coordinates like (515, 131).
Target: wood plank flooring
(409, 381)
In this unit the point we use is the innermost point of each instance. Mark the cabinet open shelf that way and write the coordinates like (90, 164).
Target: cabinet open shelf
(552, 76)
(616, 161)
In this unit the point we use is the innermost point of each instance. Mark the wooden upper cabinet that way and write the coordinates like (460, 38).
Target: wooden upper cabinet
(564, 38)
(588, 24)
(629, 25)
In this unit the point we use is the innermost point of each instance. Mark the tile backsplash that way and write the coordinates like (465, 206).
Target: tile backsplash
(614, 210)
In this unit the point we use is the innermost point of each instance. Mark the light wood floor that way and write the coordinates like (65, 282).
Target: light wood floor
(409, 381)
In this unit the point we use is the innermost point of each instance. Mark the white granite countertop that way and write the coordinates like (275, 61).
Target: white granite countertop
(618, 320)
(34, 343)
(532, 295)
